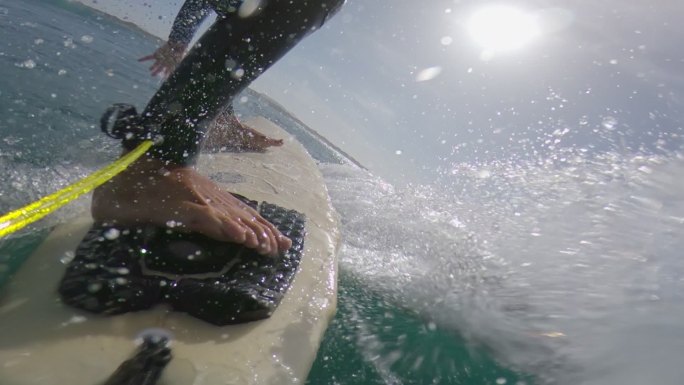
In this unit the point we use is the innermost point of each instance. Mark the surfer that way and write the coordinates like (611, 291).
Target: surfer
(163, 187)
(225, 132)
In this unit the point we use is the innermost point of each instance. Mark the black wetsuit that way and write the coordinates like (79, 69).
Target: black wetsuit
(228, 57)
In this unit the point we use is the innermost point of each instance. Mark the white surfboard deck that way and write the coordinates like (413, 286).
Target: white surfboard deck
(43, 342)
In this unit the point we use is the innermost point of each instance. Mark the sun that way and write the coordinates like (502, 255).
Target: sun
(502, 28)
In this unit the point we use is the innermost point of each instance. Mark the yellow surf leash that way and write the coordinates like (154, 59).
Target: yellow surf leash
(30, 213)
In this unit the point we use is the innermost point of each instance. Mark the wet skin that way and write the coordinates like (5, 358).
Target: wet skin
(165, 195)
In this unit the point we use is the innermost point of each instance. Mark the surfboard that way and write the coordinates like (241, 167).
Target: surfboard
(45, 342)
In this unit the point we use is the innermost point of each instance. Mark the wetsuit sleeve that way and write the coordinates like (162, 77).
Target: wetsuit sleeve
(188, 20)
(233, 52)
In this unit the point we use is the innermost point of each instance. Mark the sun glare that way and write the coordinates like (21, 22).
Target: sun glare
(502, 28)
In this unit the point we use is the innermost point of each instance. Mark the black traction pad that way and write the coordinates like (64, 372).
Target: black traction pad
(120, 269)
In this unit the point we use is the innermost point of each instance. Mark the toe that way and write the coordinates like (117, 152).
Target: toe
(204, 220)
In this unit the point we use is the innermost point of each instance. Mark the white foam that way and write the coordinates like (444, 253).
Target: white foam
(537, 268)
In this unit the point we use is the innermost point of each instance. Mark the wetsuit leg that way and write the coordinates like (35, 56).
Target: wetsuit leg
(228, 57)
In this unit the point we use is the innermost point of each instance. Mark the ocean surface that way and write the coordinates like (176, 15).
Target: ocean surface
(563, 270)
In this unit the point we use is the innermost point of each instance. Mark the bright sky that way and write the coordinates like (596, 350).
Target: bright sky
(410, 88)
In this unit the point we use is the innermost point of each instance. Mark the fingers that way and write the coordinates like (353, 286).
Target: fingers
(156, 69)
(159, 68)
(146, 58)
(163, 63)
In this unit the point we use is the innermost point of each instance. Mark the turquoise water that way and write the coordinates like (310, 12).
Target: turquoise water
(371, 341)
(63, 65)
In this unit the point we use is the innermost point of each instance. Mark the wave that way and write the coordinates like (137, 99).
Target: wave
(562, 270)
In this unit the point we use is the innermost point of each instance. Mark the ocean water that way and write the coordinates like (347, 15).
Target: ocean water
(571, 272)
(565, 270)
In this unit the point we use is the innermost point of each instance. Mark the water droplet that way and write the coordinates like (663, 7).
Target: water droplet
(87, 39)
(112, 234)
(38, 41)
(249, 8)
(230, 64)
(28, 64)
(69, 43)
(238, 73)
(94, 287)
(11, 140)
(61, 72)
(500, 381)
(446, 40)
(428, 73)
(77, 319)
(417, 363)
(645, 169)
(609, 123)
(67, 257)
(456, 223)
(398, 152)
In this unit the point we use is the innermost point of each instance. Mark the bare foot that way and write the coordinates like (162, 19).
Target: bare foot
(228, 134)
(179, 197)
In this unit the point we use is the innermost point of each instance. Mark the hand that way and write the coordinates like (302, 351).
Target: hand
(166, 58)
